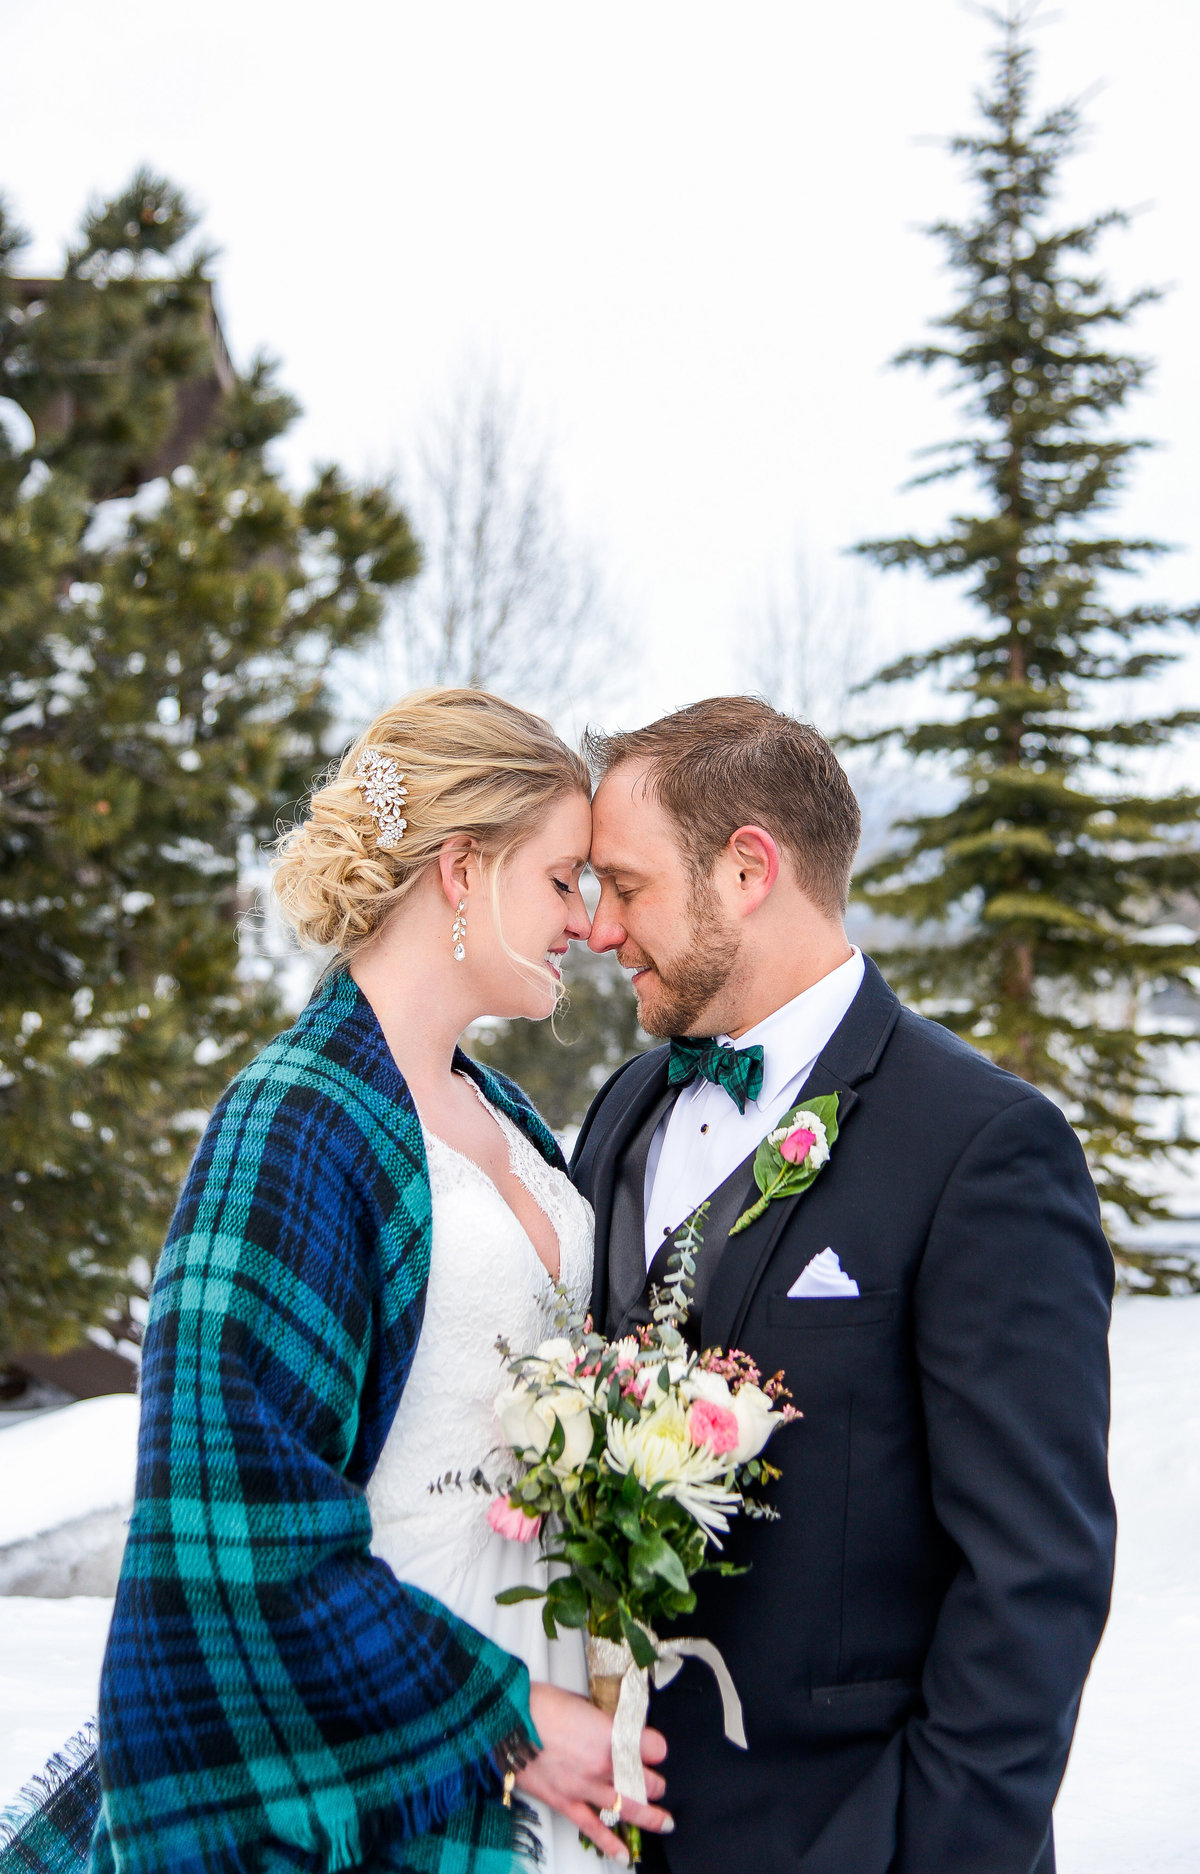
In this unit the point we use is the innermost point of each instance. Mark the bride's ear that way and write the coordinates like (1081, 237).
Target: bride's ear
(455, 862)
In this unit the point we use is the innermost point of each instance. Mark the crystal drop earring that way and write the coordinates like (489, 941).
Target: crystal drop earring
(460, 931)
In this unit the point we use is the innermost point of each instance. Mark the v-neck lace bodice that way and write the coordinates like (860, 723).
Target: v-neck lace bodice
(485, 1280)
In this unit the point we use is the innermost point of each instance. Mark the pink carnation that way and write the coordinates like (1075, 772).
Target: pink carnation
(713, 1425)
(508, 1519)
(797, 1146)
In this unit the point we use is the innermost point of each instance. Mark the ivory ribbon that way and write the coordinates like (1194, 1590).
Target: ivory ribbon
(613, 1659)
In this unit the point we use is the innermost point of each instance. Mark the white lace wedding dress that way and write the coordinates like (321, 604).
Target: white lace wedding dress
(485, 1280)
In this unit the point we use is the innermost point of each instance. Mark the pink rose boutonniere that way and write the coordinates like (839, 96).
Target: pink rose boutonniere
(790, 1157)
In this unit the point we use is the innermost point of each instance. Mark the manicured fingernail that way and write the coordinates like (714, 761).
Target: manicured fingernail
(668, 1827)
(623, 1857)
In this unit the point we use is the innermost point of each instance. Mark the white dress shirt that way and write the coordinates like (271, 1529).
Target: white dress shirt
(703, 1137)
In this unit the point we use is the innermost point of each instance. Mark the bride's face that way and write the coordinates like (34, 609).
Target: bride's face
(540, 911)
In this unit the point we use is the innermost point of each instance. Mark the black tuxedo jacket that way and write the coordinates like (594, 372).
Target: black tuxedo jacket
(911, 1645)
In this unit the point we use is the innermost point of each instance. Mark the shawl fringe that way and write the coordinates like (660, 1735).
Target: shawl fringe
(47, 1828)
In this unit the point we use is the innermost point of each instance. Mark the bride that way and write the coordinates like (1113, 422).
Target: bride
(307, 1668)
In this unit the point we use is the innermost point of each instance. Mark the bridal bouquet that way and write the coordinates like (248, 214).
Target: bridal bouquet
(631, 1458)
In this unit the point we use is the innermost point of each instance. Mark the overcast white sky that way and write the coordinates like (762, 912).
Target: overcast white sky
(688, 229)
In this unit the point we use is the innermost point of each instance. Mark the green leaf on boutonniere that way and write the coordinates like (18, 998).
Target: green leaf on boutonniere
(792, 1154)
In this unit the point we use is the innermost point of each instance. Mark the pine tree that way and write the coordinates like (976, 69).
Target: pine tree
(164, 644)
(1033, 899)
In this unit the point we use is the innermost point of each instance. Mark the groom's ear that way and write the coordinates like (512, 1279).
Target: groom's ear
(749, 862)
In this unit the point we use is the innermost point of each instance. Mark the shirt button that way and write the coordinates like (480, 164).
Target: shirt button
(704, 1127)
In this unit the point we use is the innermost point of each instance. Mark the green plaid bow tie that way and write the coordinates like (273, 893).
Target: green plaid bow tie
(738, 1070)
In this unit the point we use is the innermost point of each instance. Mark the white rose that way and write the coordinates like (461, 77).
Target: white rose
(756, 1421)
(527, 1420)
(675, 1368)
(524, 1419)
(710, 1386)
(558, 1350)
(571, 1410)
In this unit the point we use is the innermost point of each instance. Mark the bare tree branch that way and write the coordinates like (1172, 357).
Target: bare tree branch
(509, 600)
(812, 642)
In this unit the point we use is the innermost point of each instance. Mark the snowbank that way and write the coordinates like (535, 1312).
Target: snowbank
(1128, 1805)
(1129, 1802)
(67, 1464)
(66, 1489)
(50, 1654)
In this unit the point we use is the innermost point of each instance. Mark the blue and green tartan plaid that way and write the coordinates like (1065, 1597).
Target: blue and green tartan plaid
(272, 1697)
(738, 1070)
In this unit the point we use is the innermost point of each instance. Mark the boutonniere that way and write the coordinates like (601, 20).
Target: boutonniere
(790, 1157)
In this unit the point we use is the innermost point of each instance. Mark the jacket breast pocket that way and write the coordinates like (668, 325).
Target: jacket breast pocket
(821, 1312)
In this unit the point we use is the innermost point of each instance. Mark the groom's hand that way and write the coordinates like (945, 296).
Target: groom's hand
(573, 1770)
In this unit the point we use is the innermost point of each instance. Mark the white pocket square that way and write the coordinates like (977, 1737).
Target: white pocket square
(822, 1277)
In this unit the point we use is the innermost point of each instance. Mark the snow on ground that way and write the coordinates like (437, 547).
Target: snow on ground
(64, 1465)
(66, 1489)
(1129, 1804)
(50, 1654)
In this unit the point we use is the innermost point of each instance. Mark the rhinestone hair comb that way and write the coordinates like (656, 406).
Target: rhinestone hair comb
(382, 787)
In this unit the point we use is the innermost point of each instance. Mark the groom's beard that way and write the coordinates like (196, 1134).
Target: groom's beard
(683, 987)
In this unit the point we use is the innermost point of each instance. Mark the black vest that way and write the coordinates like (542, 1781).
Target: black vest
(630, 1283)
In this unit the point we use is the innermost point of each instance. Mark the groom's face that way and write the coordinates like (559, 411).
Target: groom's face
(666, 927)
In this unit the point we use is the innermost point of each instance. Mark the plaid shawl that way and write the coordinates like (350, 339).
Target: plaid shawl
(272, 1697)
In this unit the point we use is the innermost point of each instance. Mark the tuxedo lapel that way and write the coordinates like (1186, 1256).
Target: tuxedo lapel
(641, 1086)
(849, 1057)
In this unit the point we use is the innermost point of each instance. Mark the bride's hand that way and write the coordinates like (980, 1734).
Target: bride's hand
(573, 1770)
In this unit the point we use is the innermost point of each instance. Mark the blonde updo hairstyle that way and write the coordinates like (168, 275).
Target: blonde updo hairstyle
(472, 764)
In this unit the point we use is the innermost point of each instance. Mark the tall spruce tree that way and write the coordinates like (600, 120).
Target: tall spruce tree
(164, 643)
(1033, 899)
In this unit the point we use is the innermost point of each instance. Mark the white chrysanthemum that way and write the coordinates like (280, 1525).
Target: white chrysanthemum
(659, 1451)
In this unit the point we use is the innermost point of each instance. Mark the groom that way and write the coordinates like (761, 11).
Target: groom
(912, 1640)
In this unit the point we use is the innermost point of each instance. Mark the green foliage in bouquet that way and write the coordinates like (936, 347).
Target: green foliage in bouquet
(608, 1434)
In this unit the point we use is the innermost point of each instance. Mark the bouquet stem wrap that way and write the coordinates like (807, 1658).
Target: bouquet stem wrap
(618, 1685)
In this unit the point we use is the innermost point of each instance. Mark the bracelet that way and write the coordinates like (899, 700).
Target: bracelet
(512, 1753)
